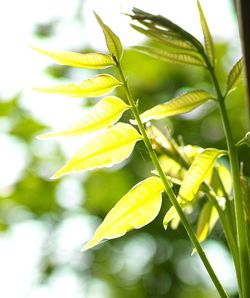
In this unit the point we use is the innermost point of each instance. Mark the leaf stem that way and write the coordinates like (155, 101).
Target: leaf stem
(238, 203)
(167, 185)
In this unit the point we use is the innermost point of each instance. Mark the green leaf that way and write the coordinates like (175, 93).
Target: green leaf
(112, 40)
(158, 22)
(221, 181)
(164, 55)
(179, 105)
(197, 173)
(170, 215)
(246, 196)
(136, 209)
(167, 38)
(207, 35)
(105, 150)
(235, 75)
(93, 87)
(105, 113)
(207, 219)
(172, 168)
(89, 60)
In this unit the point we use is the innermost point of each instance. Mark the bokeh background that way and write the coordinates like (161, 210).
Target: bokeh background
(43, 223)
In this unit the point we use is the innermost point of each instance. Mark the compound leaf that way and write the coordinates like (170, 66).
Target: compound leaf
(89, 60)
(136, 209)
(207, 35)
(112, 40)
(105, 150)
(105, 113)
(173, 57)
(235, 75)
(179, 105)
(93, 87)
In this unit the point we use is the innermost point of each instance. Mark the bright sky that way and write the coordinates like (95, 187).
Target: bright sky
(21, 69)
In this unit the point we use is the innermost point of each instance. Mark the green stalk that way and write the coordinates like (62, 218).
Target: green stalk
(228, 233)
(167, 185)
(238, 203)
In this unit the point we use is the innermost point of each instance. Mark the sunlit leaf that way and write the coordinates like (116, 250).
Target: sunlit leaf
(179, 105)
(112, 40)
(136, 209)
(89, 60)
(172, 168)
(93, 87)
(105, 113)
(197, 173)
(170, 215)
(190, 152)
(164, 55)
(207, 219)
(221, 180)
(207, 35)
(105, 150)
(235, 75)
(166, 38)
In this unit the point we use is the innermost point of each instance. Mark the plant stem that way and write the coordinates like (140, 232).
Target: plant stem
(238, 203)
(228, 233)
(167, 185)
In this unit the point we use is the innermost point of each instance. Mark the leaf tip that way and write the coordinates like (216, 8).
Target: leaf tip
(61, 172)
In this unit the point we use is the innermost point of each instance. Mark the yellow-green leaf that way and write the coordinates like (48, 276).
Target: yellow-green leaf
(207, 219)
(136, 209)
(172, 168)
(235, 75)
(112, 40)
(166, 38)
(171, 214)
(246, 196)
(89, 60)
(197, 173)
(207, 35)
(174, 57)
(105, 113)
(93, 87)
(221, 181)
(105, 150)
(179, 105)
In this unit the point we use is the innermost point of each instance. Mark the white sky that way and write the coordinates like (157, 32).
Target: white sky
(21, 69)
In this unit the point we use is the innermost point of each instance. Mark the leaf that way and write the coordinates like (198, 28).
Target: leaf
(172, 168)
(235, 75)
(89, 60)
(179, 105)
(112, 40)
(159, 22)
(207, 219)
(197, 173)
(136, 209)
(221, 181)
(93, 87)
(207, 35)
(245, 195)
(107, 149)
(105, 113)
(167, 38)
(179, 58)
(171, 214)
